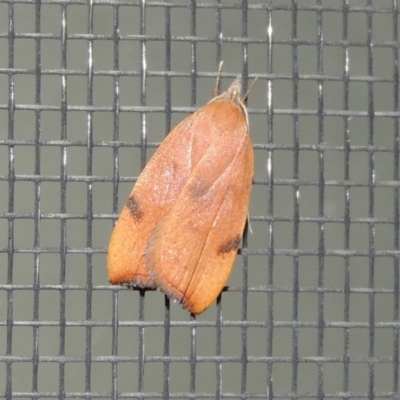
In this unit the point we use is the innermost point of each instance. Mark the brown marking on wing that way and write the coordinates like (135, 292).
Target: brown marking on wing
(134, 208)
(229, 245)
(199, 188)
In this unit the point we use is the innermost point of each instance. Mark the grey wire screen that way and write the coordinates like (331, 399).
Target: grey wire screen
(88, 91)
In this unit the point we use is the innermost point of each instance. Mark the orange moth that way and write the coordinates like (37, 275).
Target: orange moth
(181, 227)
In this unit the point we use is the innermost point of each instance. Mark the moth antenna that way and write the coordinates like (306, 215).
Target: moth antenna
(249, 89)
(217, 82)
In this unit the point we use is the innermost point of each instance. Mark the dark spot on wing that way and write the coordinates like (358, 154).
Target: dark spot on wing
(199, 188)
(229, 245)
(136, 212)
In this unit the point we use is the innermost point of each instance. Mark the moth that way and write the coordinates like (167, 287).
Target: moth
(182, 224)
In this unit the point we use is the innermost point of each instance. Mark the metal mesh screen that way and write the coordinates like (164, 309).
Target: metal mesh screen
(88, 91)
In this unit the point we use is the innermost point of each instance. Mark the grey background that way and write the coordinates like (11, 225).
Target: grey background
(311, 311)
